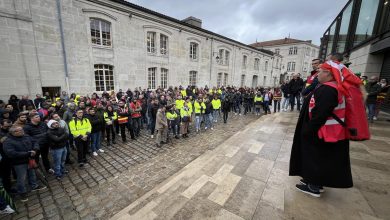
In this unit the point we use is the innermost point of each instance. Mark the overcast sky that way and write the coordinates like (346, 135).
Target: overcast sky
(248, 20)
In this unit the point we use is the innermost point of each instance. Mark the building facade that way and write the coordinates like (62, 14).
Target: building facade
(297, 55)
(361, 32)
(87, 46)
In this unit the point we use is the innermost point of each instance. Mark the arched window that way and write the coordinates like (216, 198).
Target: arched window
(257, 64)
(244, 61)
(242, 80)
(100, 32)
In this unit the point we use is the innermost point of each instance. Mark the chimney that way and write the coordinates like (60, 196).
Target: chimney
(193, 21)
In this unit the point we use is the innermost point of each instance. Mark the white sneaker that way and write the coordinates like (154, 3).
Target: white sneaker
(51, 171)
(212, 128)
(152, 136)
(94, 154)
(205, 128)
(101, 150)
(7, 210)
(375, 118)
(239, 114)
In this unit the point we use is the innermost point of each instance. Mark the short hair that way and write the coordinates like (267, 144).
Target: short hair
(2, 122)
(24, 113)
(32, 115)
(337, 56)
(13, 128)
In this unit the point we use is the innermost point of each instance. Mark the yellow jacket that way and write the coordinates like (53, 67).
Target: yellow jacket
(179, 104)
(199, 107)
(183, 93)
(114, 117)
(80, 127)
(185, 113)
(216, 104)
(171, 116)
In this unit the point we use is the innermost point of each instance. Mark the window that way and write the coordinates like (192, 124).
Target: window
(366, 20)
(307, 51)
(163, 44)
(291, 66)
(295, 50)
(164, 78)
(219, 79)
(244, 61)
(192, 80)
(277, 51)
(242, 80)
(151, 42)
(193, 51)
(104, 77)
(266, 65)
(331, 38)
(227, 55)
(265, 80)
(225, 79)
(290, 51)
(224, 57)
(100, 32)
(152, 78)
(257, 64)
(313, 53)
(344, 25)
(277, 63)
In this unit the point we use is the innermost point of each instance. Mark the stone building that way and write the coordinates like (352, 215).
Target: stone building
(297, 54)
(85, 46)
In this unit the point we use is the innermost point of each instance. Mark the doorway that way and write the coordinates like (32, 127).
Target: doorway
(254, 81)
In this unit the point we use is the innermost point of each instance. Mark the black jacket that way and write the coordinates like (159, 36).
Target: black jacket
(373, 90)
(295, 86)
(57, 138)
(37, 132)
(96, 123)
(18, 148)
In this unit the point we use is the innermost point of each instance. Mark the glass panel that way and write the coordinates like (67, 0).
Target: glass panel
(331, 37)
(346, 17)
(366, 20)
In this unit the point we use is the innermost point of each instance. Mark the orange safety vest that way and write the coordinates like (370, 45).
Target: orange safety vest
(121, 119)
(332, 130)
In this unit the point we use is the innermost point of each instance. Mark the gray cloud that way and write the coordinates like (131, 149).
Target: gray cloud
(248, 20)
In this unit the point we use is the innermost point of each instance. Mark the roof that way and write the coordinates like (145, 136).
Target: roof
(182, 23)
(279, 42)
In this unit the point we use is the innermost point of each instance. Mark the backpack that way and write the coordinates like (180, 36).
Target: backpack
(356, 122)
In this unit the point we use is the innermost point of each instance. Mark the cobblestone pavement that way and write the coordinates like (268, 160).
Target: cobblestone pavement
(121, 175)
(246, 177)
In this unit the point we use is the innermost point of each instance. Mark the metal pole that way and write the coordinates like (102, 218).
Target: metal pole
(63, 46)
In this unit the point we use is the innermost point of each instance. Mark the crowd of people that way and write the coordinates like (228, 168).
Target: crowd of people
(33, 130)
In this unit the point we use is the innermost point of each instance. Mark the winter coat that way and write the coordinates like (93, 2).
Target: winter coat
(37, 132)
(96, 123)
(161, 120)
(57, 138)
(18, 149)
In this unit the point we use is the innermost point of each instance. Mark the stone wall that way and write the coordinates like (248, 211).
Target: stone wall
(31, 54)
(365, 63)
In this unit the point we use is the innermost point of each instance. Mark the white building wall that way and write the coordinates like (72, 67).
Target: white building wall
(365, 63)
(31, 54)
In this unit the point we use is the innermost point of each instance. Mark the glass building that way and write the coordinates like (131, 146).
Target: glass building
(361, 32)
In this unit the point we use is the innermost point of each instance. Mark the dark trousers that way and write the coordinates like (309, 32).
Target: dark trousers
(131, 128)
(110, 133)
(225, 116)
(136, 126)
(116, 124)
(276, 105)
(123, 131)
(5, 173)
(152, 125)
(44, 152)
(266, 107)
(82, 150)
(173, 127)
(292, 101)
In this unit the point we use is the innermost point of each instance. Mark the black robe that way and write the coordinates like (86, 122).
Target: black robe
(318, 162)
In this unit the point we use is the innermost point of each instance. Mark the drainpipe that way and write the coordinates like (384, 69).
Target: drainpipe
(63, 46)
(211, 61)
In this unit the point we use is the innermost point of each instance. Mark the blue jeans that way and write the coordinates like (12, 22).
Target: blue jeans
(59, 157)
(95, 141)
(371, 111)
(198, 120)
(215, 115)
(209, 120)
(21, 172)
(285, 102)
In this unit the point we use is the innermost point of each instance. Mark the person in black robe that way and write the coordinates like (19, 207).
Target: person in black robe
(319, 163)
